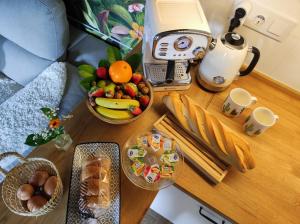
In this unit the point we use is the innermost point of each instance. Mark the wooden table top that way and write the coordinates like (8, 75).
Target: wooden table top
(268, 194)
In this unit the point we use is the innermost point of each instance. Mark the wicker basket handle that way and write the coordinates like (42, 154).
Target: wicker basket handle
(8, 154)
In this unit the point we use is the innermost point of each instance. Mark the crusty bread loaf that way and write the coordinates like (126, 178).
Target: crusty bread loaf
(226, 144)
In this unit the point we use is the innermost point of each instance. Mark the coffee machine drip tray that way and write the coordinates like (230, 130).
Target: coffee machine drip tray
(156, 75)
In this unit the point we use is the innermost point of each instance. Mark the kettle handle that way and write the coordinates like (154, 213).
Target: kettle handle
(253, 62)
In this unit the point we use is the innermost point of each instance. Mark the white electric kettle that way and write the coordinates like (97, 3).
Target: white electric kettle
(221, 64)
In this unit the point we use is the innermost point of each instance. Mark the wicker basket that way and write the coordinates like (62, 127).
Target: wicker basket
(20, 175)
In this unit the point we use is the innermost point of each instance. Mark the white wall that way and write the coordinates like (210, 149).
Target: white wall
(281, 61)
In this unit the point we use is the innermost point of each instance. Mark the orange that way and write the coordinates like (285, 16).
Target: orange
(120, 72)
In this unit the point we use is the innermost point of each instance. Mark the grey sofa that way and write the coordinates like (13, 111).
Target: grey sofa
(33, 35)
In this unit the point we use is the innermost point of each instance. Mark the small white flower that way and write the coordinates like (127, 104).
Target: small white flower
(136, 7)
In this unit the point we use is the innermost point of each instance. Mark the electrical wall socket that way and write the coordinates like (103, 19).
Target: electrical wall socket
(265, 18)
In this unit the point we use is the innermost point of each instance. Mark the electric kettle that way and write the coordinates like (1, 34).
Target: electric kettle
(221, 64)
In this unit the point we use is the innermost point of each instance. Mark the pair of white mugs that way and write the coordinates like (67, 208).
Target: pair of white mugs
(260, 119)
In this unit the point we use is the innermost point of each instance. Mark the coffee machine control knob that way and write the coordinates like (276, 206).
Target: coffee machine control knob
(199, 52)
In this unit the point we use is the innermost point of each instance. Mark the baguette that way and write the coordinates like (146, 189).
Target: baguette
(219, 138)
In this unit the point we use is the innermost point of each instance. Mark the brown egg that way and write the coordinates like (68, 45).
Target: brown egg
(39, 178)
(25, 192)
(50, 185)
(36, 202)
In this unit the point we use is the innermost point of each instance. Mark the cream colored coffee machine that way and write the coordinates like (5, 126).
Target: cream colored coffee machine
(176, 31)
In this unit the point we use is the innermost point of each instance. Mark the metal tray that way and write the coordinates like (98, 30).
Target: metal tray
(85, 150)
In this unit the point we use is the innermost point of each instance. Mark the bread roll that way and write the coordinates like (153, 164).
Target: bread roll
(93, 162)
(92, 187)
(225, 144)
(90, 172)
(95, 185)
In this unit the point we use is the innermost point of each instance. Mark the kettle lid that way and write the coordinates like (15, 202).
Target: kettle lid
(234, 40)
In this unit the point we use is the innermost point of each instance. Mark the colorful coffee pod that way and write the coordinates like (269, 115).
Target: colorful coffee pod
(166, 171)
(137, 167)
(154, 141)
(142, 141)
(169, 158)
(135, 153)
(167, 145)
(152, 173)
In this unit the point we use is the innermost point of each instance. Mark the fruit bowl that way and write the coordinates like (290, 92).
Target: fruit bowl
(152, 160)
(122, 121)
(117, 90)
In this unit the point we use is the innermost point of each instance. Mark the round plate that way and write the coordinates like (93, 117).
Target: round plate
(123, 121)
(140, 180)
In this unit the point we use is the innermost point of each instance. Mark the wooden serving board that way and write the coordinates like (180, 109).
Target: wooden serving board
(210, 166)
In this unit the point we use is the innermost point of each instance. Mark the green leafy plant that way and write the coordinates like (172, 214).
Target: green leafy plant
(113, 54)
(54, 129)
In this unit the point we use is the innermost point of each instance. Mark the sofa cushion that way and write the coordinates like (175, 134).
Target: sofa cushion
(19, 64)
(39, 26)
(8, 87)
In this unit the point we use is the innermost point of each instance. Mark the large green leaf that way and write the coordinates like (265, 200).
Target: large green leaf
(87, 83)
(134, 61)
(104, 63)
(90, 16)
(97, 33)
(112, 21)
(90, 21)
(127, 42)
(113, 54)
(121, 12)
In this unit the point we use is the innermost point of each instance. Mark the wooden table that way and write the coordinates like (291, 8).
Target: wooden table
(268, 194)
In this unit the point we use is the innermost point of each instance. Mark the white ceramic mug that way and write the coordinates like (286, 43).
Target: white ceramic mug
(260, 120)
(236, 102)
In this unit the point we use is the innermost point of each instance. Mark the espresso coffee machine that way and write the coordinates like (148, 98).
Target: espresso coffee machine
(176, 33)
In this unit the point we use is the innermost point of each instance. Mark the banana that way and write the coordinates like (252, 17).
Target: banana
(114, 114)
(117, 103)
